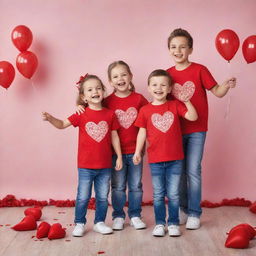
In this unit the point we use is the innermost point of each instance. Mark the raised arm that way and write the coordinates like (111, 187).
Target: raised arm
(191, 114)
(60, 124)
(141, 138)
(116, 145)
(221, 90)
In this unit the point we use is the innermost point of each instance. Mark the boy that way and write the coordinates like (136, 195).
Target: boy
(159, 123)
(190, 81)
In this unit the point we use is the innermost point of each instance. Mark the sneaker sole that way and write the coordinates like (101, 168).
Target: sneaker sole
(107, 233)
(77, 235)
(117, 229)
(175, 235)
(158, 235)
(138, 228)
(194, 228)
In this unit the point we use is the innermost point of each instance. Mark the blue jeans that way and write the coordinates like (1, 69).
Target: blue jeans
(166, 180)
(101, 180)
(132, 175)
(190, 185)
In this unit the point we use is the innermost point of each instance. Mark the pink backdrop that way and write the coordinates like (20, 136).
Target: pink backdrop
(75, 37)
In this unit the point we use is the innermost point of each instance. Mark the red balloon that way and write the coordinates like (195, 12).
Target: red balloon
(27, 223)
(26, 63)
(7, 74)
(22, 37)
(249, 49)
(238, 239)
(36, 212)
(227, 43)
(43, 230)
(56, 231)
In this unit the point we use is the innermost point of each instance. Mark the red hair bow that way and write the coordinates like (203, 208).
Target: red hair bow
(82, 79)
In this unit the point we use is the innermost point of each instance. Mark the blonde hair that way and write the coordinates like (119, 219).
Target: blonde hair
(122, 63)
(79, 100)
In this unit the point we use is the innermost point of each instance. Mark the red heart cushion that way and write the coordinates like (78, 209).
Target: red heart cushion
(56, 231)
(238, 239)
(253, 207)
(36, 212)
(43, 230)
(27, 223)
(249, 229)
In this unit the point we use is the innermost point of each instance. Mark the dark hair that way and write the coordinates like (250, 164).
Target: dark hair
(160, 72)
(79, 100)
(181, 32)
(120, 62)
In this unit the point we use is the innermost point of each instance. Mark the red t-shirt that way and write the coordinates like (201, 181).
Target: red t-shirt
(163, 130)
(126, 110)
(94, 143)
(192, 82)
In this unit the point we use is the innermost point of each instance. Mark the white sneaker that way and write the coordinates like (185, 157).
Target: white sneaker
(158, 230)
(193, 223)
(118, 224)
(183, 217)
(137, 223)
(79, 229)
(174, 230)
(102, 228)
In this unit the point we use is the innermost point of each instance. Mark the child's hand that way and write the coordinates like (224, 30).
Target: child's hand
(80, 109)
(230, 83)
(136, 158)
(46, 116)
(184, 97)
(119, 164)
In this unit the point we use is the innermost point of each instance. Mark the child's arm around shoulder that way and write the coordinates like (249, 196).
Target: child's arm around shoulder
(221, 90)
(191, 114)
(60, 124)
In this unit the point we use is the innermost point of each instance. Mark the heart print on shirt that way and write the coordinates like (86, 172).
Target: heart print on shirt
(183, 92)
(163, 122)
(97, 131)
(126, 118)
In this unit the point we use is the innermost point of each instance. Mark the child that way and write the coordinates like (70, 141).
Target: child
(126, 104)
(191, 80)
(159, 123)
(97, 131)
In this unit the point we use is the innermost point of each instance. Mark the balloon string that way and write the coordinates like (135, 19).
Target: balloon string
(227, 112)
(228, 107)
(34, 87)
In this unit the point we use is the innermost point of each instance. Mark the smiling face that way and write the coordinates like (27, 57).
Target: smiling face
(120, 79)
(179, 49)
(159, 87)
(93, 92)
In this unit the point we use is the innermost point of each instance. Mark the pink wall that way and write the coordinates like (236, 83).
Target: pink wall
(75, 37)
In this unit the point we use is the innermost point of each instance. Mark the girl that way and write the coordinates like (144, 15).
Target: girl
(97, 131)
(126, 104)
(159, 123)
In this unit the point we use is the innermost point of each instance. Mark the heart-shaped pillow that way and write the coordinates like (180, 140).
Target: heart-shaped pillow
(249, 229)
(43, 230)
(27, 223)
(36, 212)
(253, 207)
(56, 231)
(238, 238)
